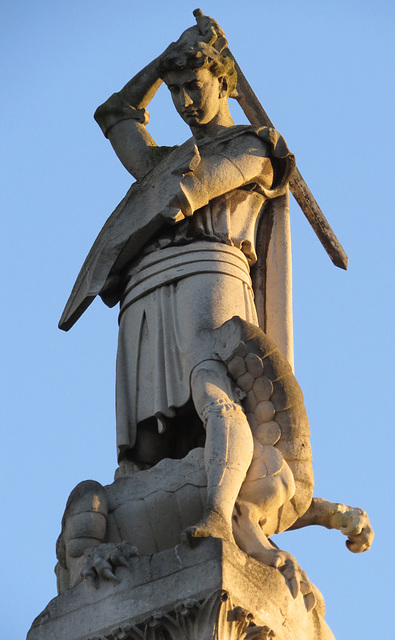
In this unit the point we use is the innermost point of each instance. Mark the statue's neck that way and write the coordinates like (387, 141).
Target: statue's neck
(223, 120)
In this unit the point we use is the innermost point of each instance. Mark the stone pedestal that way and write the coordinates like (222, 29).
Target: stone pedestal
(213, 591)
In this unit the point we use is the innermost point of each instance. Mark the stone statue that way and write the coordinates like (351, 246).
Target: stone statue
(212, 433)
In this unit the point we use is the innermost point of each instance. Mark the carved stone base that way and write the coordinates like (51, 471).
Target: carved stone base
(213, 591)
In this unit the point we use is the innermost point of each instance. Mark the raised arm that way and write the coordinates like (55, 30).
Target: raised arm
(122, 119)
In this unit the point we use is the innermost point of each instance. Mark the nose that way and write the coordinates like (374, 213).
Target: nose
(185, 98)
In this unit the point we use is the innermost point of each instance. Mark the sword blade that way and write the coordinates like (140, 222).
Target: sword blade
(299, 189)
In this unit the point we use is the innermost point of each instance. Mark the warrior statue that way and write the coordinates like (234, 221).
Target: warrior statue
(198, 255)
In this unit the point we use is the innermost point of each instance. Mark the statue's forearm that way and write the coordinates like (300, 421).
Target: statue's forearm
(128, 102)
(140, 90)
(122, 118)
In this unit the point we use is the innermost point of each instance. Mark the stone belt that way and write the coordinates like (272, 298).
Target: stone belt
(166, 266)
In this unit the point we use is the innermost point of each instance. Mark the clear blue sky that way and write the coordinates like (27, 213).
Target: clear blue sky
(324, 72)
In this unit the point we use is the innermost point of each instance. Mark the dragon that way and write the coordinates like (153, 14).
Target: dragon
(146, 511)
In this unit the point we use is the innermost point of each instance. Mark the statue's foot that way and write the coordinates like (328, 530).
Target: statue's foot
(213, 525)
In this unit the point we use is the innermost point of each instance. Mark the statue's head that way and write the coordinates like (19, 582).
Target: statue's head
(199, 76)
(192, 52)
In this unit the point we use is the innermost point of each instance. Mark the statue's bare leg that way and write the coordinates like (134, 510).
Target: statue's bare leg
(228, 449)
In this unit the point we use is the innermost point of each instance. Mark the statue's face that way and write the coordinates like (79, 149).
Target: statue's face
(196, 94)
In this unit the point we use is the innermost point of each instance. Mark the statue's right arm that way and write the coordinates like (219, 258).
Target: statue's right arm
(122, 119)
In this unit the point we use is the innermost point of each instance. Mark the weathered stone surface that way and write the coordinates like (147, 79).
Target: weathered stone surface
(211, 591)
(194, 369)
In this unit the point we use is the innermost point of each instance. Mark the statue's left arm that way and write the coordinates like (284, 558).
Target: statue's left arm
(220, 169)
(234, 160)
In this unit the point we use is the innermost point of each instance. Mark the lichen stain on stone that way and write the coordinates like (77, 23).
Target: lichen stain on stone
(96, 502)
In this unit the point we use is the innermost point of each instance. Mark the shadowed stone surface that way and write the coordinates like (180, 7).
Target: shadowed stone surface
(211, 591)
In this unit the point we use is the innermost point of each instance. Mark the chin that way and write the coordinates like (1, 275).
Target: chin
(193, 121)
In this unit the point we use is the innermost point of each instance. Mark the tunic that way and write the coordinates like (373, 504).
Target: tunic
(168, 310)
(187, 281)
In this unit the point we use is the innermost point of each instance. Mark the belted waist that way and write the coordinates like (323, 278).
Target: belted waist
(168, 265)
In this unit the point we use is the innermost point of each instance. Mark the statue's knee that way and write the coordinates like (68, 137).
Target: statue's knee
(211, 384)
(231, 412)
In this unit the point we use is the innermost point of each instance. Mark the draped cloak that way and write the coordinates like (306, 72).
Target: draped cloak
(181, 263)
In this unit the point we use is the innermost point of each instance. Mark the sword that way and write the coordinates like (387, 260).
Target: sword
(258, 117)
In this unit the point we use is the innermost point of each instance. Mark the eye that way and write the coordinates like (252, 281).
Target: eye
(194, 84)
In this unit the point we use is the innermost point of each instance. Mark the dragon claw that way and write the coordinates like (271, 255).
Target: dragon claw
(100, 562)
(109, 575)
(354, 523)
(310, 601)
(296, 578)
